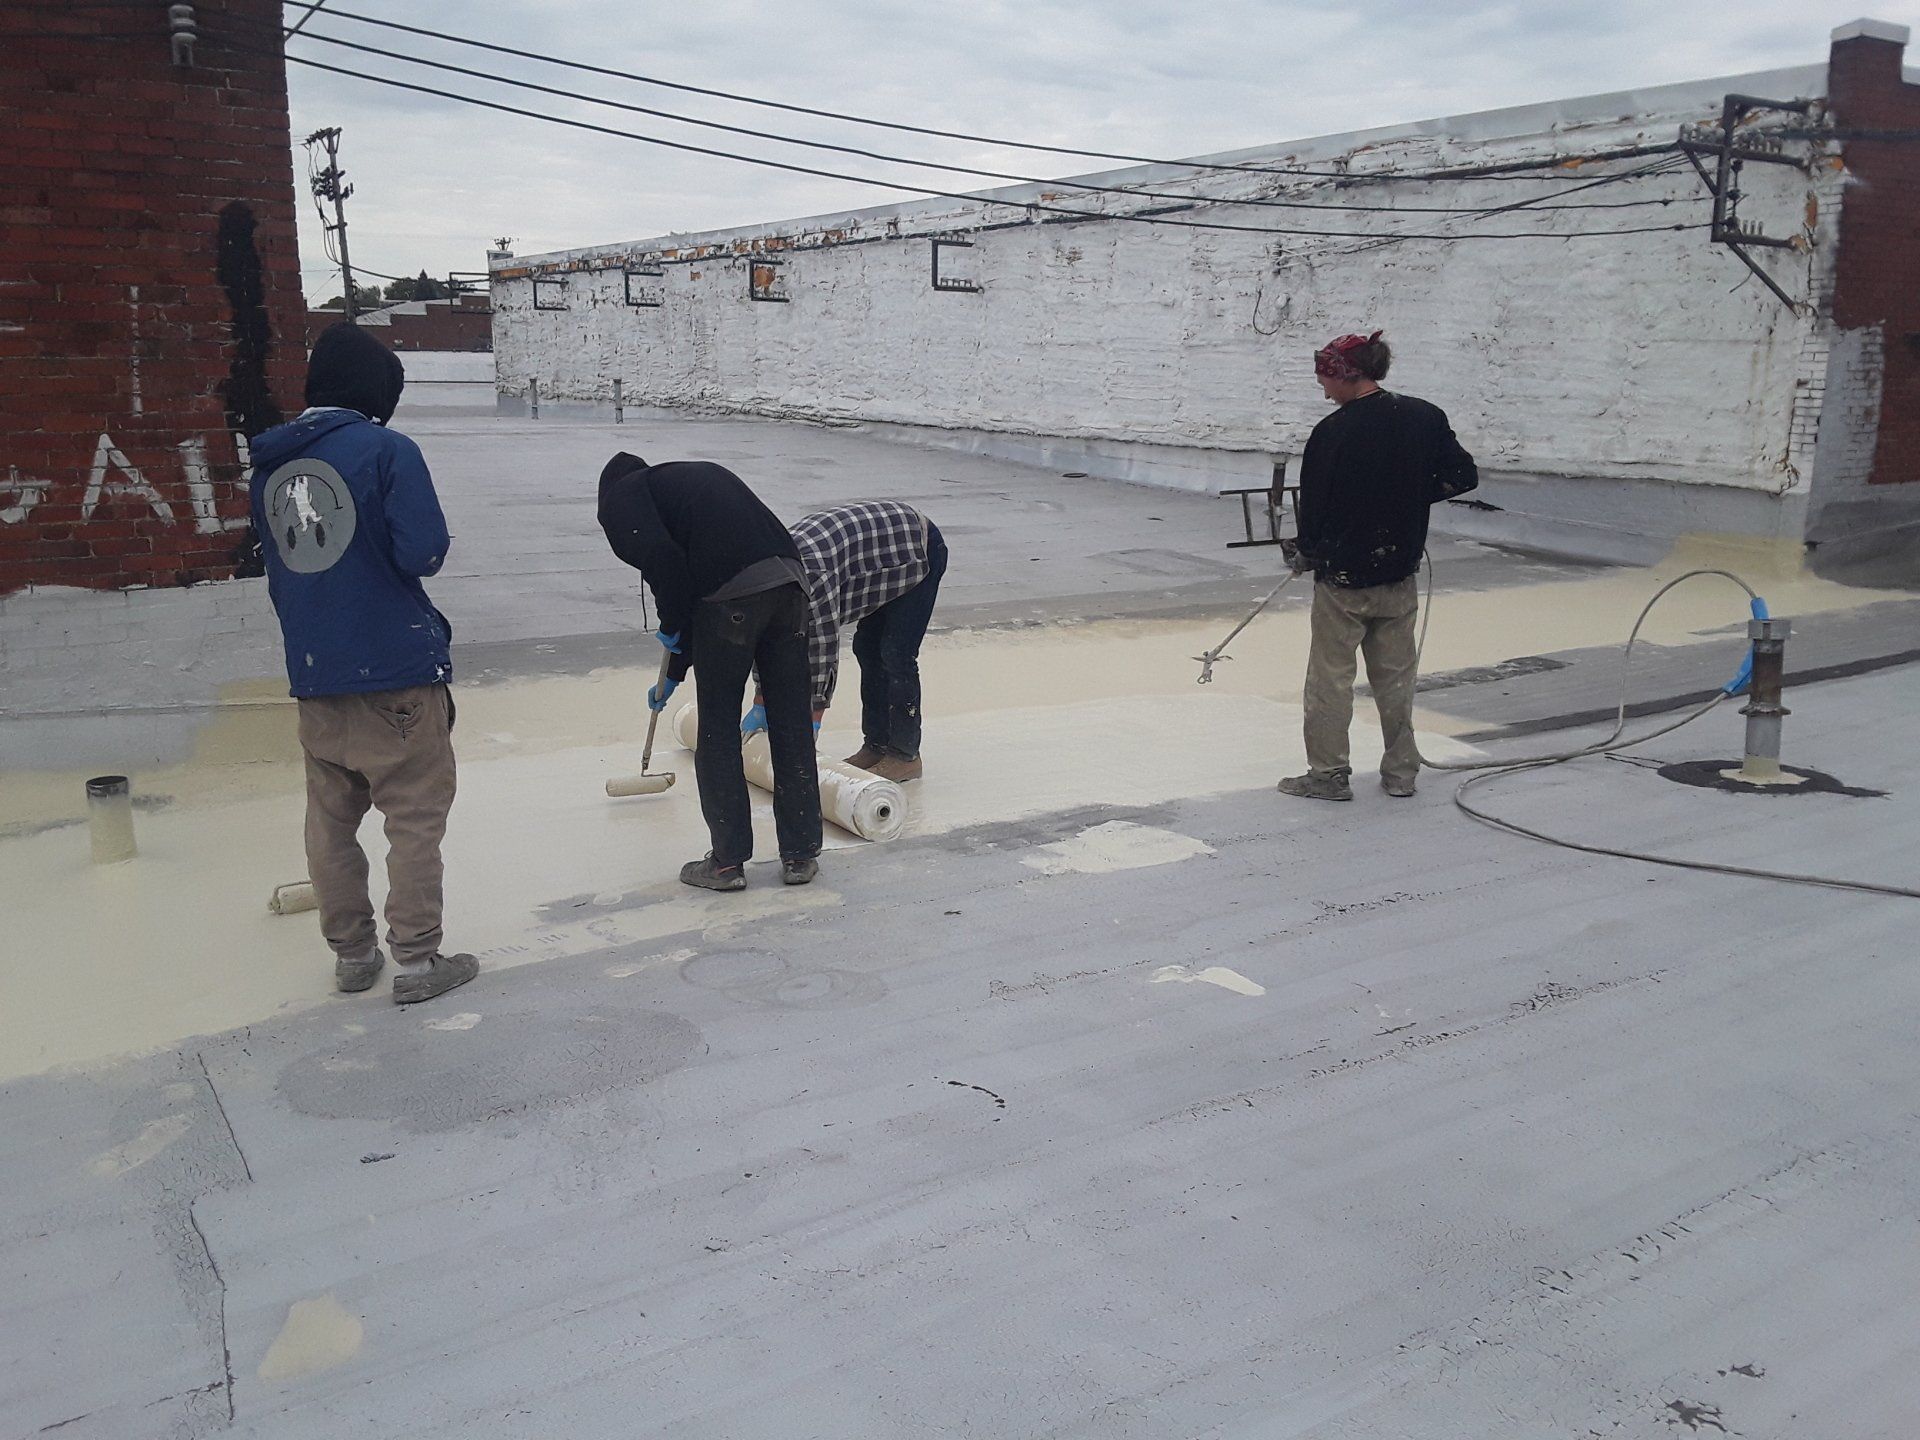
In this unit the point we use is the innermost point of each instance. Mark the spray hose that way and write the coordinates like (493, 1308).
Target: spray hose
(1489, 770)
(1613, 740)
(1493, 770)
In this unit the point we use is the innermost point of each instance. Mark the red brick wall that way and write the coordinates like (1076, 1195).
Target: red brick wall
(150, 305)
(464, 324)
(1877, 275)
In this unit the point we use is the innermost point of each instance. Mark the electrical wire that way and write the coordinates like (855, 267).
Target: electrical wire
(1012, 177)
(1001, 143)
(1671, 166)
(1035, 207)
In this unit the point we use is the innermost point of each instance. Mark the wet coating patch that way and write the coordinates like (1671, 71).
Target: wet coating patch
(1116, 845)
(153, 1138)
(556, 1050)
(466, 1020)
(1213, 975)
(319, 1334)
(759, 977)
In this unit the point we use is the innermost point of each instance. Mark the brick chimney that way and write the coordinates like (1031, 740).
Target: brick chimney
(1875, 299)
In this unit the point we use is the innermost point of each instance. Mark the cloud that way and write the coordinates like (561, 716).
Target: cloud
(435, 180)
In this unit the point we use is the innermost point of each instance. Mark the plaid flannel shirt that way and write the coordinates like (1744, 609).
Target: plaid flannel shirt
(857, 558)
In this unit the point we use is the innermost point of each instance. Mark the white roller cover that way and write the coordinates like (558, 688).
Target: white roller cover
(862, 804)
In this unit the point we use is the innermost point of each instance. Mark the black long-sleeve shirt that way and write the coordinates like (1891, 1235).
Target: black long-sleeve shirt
(689, 527)
(1371, 470)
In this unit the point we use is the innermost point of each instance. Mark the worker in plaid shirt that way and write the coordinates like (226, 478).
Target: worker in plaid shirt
(876, 566)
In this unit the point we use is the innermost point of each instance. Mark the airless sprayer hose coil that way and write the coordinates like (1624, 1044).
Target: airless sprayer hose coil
(1490, 770)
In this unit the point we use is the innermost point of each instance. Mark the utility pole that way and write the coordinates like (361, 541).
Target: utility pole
(327, 186)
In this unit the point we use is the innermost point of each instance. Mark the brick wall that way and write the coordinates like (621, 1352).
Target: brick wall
(1877, 279)
(465, 323)
(150, 308)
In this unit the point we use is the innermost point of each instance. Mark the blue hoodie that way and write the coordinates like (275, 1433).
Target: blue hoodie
(349, 525)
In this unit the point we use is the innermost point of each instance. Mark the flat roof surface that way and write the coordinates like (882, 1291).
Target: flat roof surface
(1122, 1097)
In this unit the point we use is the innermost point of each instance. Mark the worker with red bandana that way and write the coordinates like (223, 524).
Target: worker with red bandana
(1371, 471)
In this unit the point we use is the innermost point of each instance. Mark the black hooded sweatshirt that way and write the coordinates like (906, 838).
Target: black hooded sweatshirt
(1371, 470)
(689, 527)
(351, 369)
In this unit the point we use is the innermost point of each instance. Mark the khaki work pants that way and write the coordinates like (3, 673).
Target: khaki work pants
(391, 750)
(1379, 622)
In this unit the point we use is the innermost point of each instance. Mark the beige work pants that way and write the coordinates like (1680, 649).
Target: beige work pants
(391, 750)
(1379, 622)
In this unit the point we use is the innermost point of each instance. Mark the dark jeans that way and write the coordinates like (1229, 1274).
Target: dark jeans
(887, 645)
(730, 639)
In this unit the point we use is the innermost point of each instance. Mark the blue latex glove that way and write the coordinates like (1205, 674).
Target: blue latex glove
(755, 721)
(670, 642)
(658, 695)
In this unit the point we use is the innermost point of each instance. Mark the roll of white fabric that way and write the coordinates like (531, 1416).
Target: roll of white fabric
(859, 803)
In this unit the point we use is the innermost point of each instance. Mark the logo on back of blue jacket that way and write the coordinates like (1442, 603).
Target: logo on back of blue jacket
(311, 514)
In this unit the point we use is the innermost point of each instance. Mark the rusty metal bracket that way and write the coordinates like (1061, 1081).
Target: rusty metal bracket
(763, 281)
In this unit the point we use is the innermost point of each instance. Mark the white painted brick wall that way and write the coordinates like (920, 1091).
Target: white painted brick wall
(1638, 357)
(66, 651)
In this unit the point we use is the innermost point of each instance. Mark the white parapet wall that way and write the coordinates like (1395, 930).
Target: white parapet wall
(1614, 387)
(447, 380)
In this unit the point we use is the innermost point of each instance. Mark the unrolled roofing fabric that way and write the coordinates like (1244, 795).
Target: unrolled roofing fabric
(863, 804)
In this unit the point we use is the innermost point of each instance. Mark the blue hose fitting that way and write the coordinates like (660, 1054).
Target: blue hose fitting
(1744, 675)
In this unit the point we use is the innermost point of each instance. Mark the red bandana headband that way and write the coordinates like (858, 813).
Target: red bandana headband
(1335, 360)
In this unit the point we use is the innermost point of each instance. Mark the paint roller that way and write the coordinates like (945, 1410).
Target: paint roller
(293, 898)
(643, 783)
(862, 804)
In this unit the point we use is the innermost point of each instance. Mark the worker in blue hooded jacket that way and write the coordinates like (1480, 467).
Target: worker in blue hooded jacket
(349, 526)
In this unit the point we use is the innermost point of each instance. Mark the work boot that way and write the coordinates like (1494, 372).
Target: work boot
(1399, 789)
(865, 758)
(710, 874)
(354, 973)
(1315, 786)
(799, 871)
(895, 767)
(442, 973)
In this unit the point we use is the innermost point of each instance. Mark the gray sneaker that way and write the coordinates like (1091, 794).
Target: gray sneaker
(354, 973)
(443, 973)
(1399, 789)
(1313, 786)
(799, 872)
(710, 874)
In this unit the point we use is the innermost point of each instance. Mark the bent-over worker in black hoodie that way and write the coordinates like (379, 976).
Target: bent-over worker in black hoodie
(732, 598)
(1371, 471)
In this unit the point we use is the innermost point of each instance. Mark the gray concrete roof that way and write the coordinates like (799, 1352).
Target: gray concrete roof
(1513, 1142)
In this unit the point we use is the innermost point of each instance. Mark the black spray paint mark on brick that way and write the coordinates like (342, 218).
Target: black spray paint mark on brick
(249, 398)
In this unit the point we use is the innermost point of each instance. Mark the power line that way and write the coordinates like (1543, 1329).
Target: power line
(1034, 207)
(863, 119)
(1131, 191)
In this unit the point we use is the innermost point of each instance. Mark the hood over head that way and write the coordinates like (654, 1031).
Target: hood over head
(621, 465)
(351, 369)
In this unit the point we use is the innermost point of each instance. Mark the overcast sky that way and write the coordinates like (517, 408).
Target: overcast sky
(436, 180)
